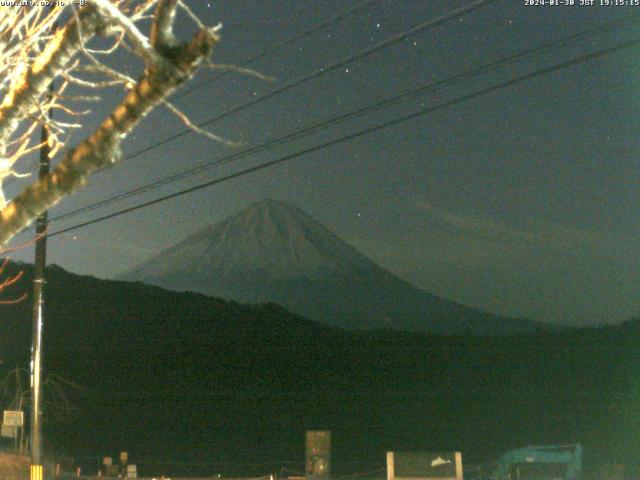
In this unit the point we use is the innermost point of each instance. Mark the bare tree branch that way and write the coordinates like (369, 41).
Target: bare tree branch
(162, 27)
(168, 64)
(8, 281)
(15, 394)
(119, 20)
(193, 127)
(32, 84)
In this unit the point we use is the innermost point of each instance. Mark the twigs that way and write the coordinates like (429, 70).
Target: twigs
(34, 58)
(196, 129)
(8, 281)
(15, 394)
(223, 67)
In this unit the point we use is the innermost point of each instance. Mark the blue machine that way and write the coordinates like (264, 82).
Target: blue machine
(552, 462)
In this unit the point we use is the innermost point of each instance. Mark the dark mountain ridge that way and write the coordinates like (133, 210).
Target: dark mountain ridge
(274, 252)
(183, 376)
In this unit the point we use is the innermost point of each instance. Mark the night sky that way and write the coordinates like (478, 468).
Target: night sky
(522, 202)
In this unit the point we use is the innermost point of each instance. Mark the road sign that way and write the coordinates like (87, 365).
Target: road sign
(424, 465)
(14, 418)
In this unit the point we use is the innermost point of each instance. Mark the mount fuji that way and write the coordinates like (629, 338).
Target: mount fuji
(274, 252)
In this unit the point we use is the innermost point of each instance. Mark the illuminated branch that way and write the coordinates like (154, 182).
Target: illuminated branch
(8, 281)
(33, 83)
(167, 63)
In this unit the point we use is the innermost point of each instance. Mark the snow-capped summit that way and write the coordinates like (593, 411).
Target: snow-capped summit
(274, 252)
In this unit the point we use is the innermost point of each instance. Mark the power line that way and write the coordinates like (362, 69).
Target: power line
(328, 68)
(383, 44)
(334, 19)
(350, 115)
(366, 131)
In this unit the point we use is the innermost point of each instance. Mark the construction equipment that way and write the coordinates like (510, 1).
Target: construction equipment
(551, 462)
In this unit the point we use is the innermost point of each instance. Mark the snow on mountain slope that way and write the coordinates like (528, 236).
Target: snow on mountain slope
(274, 252)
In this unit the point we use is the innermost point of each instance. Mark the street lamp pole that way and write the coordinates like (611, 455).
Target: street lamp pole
(37, 319)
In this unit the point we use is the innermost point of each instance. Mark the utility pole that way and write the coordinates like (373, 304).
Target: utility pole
(38, 304)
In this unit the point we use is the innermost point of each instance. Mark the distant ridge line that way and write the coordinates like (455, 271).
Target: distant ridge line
(273, 251)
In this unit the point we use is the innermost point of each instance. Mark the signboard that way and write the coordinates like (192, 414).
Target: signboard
(318, 455)
(13, 418)
(424, 466)
(132, 471)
